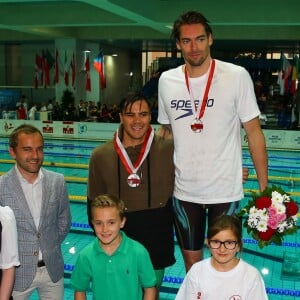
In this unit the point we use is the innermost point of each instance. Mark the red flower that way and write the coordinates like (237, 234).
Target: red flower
(263, 202)
(266, 236)
(291, 208)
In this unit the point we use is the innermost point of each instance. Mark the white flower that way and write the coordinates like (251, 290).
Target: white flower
(258, 218)
(252, 221)
(277, 198)
(281, 208)
(294, 218)
(282, 226)
(286, 198)
(262, 226)
(291, 222)
(253, 210)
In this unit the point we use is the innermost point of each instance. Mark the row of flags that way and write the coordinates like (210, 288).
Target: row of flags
(288, 75)
(99, 66)
(45, 62)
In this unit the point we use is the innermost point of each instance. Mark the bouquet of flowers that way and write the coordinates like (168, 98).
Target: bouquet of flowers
(272, 214)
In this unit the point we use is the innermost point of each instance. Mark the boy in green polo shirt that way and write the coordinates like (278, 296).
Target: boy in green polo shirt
(115, 266)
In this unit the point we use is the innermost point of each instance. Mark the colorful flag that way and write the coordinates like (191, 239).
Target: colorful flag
(284, 74)
(46, 67)
(294, 80)
(296, 61)
(99, 66)
(56, 66)
(66, 70)
(38, 70)
(88, 77)
(73, 68)
(50, 59)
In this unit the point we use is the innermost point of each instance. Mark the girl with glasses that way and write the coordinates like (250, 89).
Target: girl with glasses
(223, 275)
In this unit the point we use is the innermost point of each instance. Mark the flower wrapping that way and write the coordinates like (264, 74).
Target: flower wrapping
(271, 215)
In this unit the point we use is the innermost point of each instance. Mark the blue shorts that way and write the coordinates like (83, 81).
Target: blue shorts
(190, 221)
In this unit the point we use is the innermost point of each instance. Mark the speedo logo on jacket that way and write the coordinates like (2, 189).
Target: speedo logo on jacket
(186, 106)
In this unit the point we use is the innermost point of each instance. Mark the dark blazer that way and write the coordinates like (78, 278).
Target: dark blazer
(54, 225)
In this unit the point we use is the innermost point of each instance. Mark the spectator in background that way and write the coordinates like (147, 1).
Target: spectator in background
(32, 112)
(43, 107)
(56, 112)
(82, 110)
(105, 114)
(262, 103)
(21, 112)
(150, 88)
(5, 114)
(115, 114)
(296, 101)
(50, 105)
(23, 101)
(285, 112)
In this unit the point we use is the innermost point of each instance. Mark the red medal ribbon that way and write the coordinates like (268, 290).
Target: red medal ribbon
(207, 88)
(130, 168)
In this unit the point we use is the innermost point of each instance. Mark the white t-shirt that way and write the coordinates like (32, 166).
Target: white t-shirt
(208, 165)
(204, 282)
(9, 256)
(32, 111)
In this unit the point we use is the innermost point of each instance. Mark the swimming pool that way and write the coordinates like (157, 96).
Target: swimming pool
(279, 265)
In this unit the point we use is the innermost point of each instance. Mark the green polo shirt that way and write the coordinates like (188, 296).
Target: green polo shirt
(122, 275)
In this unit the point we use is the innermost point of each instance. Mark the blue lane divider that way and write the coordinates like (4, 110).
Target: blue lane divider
(171, 279)
(285, 244)
(284, 292)
(68, 268)
(66, 154)
(293, 158)
(274, 167)
(80, 225)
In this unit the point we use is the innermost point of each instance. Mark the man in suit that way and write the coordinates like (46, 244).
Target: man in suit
(40, 203)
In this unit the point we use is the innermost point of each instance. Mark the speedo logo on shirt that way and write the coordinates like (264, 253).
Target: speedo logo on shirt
(186, 106)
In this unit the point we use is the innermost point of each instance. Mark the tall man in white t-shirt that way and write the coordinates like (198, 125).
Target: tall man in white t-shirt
(205, 102)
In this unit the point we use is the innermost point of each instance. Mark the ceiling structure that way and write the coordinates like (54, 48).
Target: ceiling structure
(245, 26)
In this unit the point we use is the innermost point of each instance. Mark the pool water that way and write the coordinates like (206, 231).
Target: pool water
(279, 265)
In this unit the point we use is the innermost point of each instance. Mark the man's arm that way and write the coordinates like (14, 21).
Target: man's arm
(64, 213)
(257, 147)
(245, 174)
(165, 131)
(7, 282)
(149, 293)
(79, 295)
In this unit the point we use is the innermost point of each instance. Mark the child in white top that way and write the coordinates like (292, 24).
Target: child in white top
(223, 275)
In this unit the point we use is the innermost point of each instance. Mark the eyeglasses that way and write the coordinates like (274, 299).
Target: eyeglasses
(215, 244)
